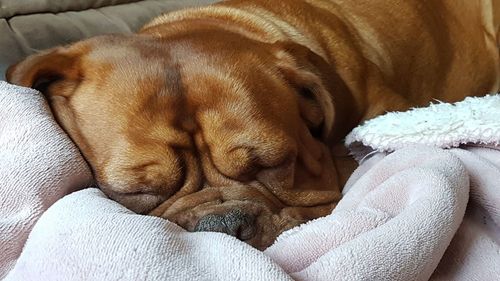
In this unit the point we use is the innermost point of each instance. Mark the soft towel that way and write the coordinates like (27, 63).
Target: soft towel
(399, 214)
(38, 165)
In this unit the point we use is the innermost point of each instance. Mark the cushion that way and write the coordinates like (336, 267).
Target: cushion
(28, 26)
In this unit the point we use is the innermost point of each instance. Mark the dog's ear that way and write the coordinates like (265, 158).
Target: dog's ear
(322, 91)
(41, 71)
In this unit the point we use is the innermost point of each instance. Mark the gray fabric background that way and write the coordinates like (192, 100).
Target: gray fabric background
(28, 26)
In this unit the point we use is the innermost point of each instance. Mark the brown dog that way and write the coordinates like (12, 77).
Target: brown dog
(222, 118)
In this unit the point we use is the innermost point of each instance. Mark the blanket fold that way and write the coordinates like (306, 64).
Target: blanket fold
(393, 224)
(38, 165)
(86, 236)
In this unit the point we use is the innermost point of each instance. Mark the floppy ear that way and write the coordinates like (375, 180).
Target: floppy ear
(42, 70)
(324, 97)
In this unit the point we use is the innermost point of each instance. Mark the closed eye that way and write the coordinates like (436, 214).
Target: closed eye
(141, 167)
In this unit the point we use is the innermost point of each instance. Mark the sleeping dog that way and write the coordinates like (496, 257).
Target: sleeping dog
(225, 118)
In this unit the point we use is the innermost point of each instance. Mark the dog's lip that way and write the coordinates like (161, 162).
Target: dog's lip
(150, 200)
(115, 194)
(133, 193)
(221, 194)
(137, 190)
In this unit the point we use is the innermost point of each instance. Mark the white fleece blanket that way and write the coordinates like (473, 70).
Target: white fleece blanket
(472, 121)
(396, 221)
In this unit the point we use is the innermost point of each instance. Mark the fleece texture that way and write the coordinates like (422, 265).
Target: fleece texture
(471, 121)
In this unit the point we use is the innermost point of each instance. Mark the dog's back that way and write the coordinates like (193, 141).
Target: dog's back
(404, 52)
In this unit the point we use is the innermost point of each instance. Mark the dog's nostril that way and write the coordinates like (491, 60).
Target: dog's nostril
(235, 223)
(211, 222)
(240, 224)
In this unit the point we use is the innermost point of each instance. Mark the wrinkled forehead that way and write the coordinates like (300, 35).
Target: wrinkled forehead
(127, 60)
(143, 66)
(128, 69)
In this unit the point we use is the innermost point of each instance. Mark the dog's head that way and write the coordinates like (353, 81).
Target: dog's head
(215, 133)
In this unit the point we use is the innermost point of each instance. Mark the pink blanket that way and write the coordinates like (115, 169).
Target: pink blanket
(402, 218)
(38, 165)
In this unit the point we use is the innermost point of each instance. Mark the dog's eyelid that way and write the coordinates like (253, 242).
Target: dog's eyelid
(307, 93)
(143, 166)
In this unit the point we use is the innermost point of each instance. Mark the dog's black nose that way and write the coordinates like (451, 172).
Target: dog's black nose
(235, 223)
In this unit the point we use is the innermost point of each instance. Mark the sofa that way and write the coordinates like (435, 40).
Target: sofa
(28, 26)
